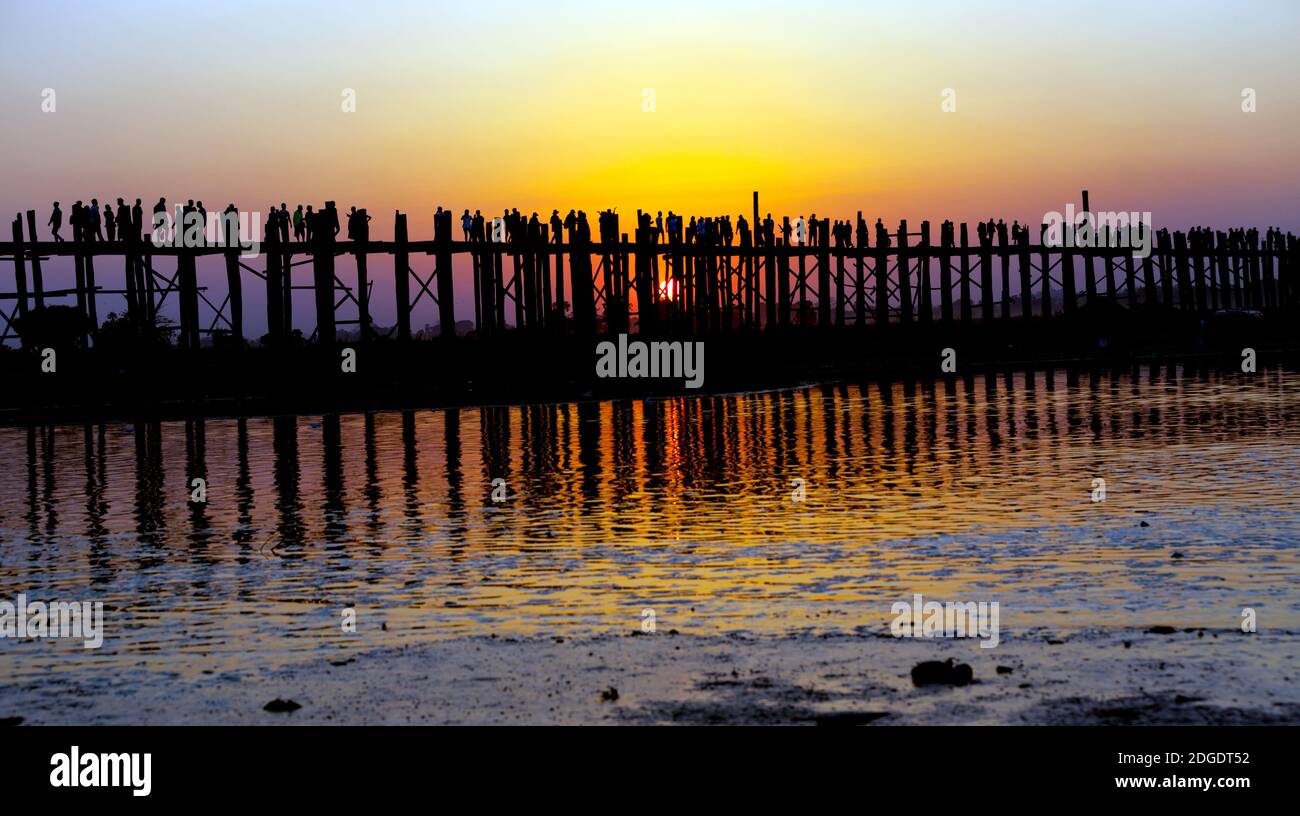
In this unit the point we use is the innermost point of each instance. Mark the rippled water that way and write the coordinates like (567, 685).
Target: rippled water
(976, 488)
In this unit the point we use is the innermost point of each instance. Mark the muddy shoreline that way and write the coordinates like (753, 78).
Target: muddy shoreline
(1098, 677)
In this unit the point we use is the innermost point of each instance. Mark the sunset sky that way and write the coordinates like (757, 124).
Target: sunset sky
(823, 107)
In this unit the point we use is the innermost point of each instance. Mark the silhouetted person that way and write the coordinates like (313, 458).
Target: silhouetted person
(123, 220)
(77, 220)
(137, 219)
(330, 217)
(110, 223)
(203, 222)
(95, 230)
(56, 223)
(229, 232)
(359, 225)
(466, 224)
(299, 227)
(185, 228)
(160, 216)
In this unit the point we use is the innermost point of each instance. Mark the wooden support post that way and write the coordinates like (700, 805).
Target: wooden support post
(275, 331)
(925, 313)
(1166, 268)
(544, 269)
(624, 285)
(1266, 272)
(20, 278)
(1258, 292)
(882, 278)
(187, 281)
(1045, 260)
(363, 290)
(402, 277)
(1112, 293)
(79, 270)
(558, 238)
(904, 276)
(92, 305)
(322, 255)
(945, 273)
(499, 286)
(860, 287)
(1220, 287)
(1004, 257)
(801, 298)
(286, 285)
(841, 293)
(749, 267)
(130, 263)
(1186, 297)
(150, 286)
(783, 277)
(531, 285)
(38, 282)
(1148, 269)
(1089, 275)
(823, 273)
(770, 282)
(1130, 279)
(228, 236)
(1199, 260)
(1069, 293)
(1026, 277)
(446, 294)
(236, 295)
(645, 306)
(986, 279)
(475, 259)
(964, 260)
(584, 301)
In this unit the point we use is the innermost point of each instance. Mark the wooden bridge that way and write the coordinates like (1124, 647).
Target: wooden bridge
(644, 284)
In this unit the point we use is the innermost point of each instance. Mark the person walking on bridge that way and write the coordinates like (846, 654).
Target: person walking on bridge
(56, 223)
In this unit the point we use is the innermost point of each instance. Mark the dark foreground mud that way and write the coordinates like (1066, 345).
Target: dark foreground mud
(1086, 678)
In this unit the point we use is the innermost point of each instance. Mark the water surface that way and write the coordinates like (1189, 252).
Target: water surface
(974, 488)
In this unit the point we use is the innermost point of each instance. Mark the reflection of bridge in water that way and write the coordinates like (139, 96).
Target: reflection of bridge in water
(351, 477)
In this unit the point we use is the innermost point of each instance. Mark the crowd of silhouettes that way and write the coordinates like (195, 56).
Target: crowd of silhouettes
(92, 223)
(122, 222)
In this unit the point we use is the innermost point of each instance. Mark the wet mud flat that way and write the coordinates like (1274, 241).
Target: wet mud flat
(1162, 675)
